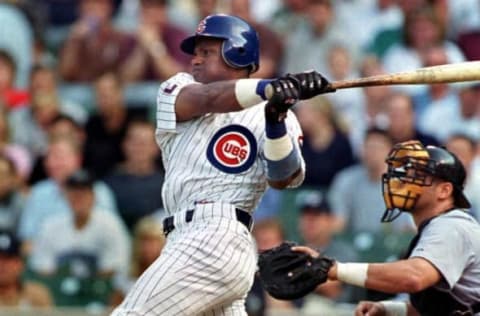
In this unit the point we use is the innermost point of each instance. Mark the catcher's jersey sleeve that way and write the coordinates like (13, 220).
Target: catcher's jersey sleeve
(449, 243)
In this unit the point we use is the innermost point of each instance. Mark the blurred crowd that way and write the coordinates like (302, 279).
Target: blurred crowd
(81, 174)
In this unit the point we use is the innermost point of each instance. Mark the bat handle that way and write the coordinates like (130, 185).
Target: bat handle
(330, 88)
(269, 90)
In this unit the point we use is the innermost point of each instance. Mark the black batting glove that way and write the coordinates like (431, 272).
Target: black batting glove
(285, 95)
(310, 84)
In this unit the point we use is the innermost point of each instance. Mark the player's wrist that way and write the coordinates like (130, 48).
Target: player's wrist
(352, 273)
(332, 273)
(250, 92)
(275, 130)
(393, 308)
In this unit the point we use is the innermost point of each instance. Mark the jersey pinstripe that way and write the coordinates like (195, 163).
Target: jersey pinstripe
(214, 164)
(190, 178)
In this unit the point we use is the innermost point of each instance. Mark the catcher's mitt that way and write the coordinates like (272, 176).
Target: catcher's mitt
(288, 275)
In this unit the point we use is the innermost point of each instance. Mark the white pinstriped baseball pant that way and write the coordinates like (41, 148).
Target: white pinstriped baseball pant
(206, 268)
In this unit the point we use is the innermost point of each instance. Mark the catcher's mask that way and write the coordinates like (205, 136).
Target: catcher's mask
(411, 167)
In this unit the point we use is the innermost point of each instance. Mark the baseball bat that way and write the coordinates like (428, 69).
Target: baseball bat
(457, 72)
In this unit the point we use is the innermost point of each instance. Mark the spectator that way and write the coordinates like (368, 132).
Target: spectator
(375, 100)
(468, 43)
(106, 128)
(205, 8)
(18, 154)
(62, 126)
(64, 157)
(288, 16)
(269, 206)
(268, 233)
(157, 55)
(462, 117)
(94, 46)
(16, 38)
(376, 96)
(45, 84)
(310, 41)
(11, 199)
(10, 96)
(324, 141)
(29, 125)
(385, 25)
(137, 181)
(372, 17)
(354, 193)
(348, 103)
(58, 16)
(462, 16)
(148, 242)
(464, 147)
(14, 291)
(318, 226)
(87, 235)
(437, 94)
(401, 121)
(271, 45)
(422, 30)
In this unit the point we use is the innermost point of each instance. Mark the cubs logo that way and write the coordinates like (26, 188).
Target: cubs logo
(201, 26)
(232, 149)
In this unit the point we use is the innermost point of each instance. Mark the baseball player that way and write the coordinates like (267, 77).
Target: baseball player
(442, 268)
(221, 144)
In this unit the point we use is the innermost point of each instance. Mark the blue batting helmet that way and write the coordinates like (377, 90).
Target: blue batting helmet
(240, 48)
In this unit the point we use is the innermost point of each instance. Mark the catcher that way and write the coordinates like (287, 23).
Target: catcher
(441, 270)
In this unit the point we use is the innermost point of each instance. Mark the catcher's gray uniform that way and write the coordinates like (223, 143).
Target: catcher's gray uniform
(215, 167)
(451, 242)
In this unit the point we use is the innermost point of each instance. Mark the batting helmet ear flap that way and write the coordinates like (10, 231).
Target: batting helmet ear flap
(240, 48)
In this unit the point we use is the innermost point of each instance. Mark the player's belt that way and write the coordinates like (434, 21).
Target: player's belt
(242, 216)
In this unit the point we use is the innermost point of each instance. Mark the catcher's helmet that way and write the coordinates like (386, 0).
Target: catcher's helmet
(240, 47)
(409, 166)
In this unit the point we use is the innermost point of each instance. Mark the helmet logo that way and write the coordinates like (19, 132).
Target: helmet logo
(201, 26)
(232, 149)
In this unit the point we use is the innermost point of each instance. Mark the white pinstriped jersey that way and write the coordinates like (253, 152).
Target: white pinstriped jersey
(216, 157)
(214, 164)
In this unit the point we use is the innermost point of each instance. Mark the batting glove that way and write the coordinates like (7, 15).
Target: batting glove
(310, 83)
(285, 95)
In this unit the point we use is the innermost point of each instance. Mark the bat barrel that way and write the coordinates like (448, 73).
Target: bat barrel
(467, 71)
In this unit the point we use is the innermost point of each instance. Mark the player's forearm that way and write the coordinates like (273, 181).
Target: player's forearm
(219, 97)
(283, 158)
(395, 277)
